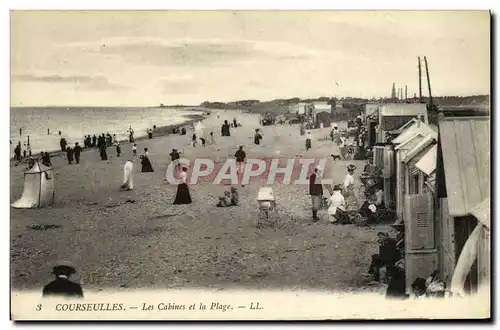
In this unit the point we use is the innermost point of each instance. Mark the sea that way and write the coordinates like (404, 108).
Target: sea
(76, 122)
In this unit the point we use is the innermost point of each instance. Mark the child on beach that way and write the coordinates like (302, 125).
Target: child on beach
(119, 149)
(134, 150)
(194, 140)
(202, 142)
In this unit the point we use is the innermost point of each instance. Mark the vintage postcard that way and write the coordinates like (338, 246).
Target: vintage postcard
(250, 165)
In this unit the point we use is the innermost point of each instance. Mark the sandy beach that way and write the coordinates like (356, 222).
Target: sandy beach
(138, 238)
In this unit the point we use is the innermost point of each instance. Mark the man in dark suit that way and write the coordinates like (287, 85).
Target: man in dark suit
(316, 192)
(62, 286)
(386, 258)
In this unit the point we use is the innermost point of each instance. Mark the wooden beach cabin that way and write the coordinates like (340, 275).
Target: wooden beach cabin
(463, 200)
(323, 119)
(415, 204)
(415, 133)
(394, 115)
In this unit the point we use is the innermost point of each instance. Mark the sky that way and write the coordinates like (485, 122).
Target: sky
(144, 58)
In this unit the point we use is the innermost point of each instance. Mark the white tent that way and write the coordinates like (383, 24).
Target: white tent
(38, 188)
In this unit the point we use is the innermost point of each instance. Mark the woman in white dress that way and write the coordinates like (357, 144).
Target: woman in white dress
(348, 186)
(128, 181)
(335, 202)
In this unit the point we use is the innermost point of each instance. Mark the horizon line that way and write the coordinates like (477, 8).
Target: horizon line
(227, 102)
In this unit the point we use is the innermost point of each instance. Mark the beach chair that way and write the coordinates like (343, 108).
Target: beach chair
(267, 206)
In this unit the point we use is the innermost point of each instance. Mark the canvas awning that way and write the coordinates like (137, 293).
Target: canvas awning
(427, 163)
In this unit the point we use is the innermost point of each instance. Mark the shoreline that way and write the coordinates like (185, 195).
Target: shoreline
(158, 132)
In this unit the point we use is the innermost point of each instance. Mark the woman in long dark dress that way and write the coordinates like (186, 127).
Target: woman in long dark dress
(146, 164)
(183, 196)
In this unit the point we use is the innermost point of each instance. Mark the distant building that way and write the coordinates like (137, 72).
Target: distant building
(299, 108)
(323, 119)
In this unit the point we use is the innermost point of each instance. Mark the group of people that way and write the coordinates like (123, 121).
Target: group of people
(339, 194)
(76, 152)
(20, 154)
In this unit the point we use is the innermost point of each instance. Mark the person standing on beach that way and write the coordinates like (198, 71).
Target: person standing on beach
(46, 159)
(183, 196)
(146, 163)
(128, 181)
(257, 137)
(48, 131)
(69, 155)
(134, 150)
(17, 152)
(308, 141)
(109, 140)
(150, 134)
(77, 151)
(316, 192)
(235, 122)
(94, 141)
(115, 140)
(131, 135)
(194, 140)
(118, 149)
(240, 162)
(63, 144)
(212, 139)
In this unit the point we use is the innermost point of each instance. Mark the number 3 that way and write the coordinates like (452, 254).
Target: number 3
(39, 307)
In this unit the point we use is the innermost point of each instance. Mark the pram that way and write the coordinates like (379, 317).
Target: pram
(267, 206)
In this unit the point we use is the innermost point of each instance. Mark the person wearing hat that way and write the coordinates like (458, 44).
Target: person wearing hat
(386, 258)
(349, 182)
(257, 137)
(62, 286)
(316, 192)
(335, 202)
(308, 141)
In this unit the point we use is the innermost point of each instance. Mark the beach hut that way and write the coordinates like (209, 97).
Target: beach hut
(323, 119)
(394, 115)
(38, 189)
(414, 132)
(417, 206)
(463, 200)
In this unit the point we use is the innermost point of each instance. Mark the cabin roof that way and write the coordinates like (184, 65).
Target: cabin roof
(415, 153)
(411, 142)
(403, 110)
(466, 159)
(427, 163)
(411, 128)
